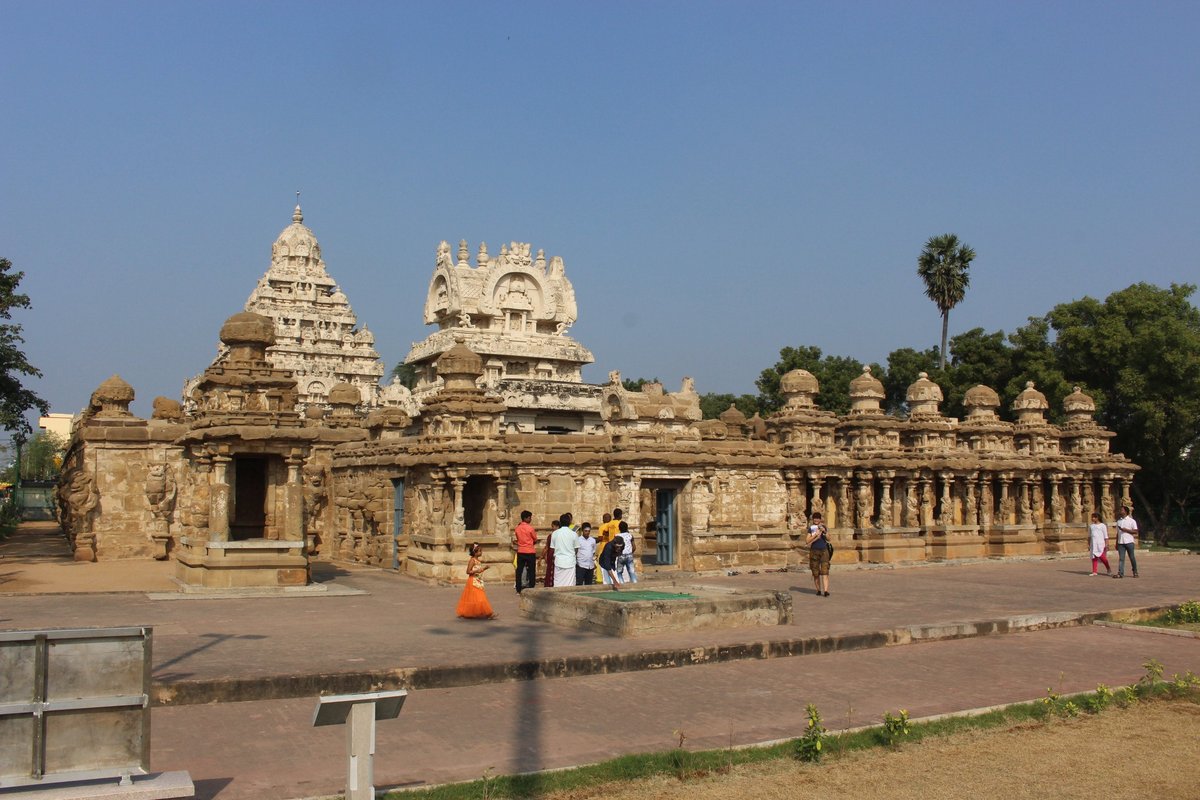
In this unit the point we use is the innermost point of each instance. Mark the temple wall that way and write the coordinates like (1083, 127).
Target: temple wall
(119, 489)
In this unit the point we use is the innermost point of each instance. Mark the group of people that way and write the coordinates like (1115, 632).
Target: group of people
(572, 555)
(1127, 535)
(575, 558)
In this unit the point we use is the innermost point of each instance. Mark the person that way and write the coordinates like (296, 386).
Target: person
(1127, 533)
(1098, 536)
(525, 537)
(608, 561)
(608, 530)
(565, 543)
(625, 561)
(473, 603)
(585, 557)
(818, 553)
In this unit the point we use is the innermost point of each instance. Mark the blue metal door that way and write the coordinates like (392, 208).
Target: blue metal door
(397, 519)
(664, 518)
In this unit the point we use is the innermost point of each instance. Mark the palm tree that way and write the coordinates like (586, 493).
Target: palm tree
(943, 265)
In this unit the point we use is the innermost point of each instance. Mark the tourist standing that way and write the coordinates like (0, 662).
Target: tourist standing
(473, 603)
(818, 554)
(585, 557)
(565, 543)
(1127, 534)
(1098, 539)
(608, 561)
(608, 530)
(625, 561)
(525, 537)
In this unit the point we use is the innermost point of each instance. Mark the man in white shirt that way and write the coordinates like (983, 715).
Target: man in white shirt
(1127, 535)
(585, 557)
(565, 543)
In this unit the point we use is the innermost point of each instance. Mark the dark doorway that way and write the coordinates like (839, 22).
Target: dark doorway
(476, 493)
(249, 498)
(666, 521)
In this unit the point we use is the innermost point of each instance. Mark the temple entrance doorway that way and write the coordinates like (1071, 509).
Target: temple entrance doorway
(249, 498)
(397, 519)
(665, 515)
(478, 514)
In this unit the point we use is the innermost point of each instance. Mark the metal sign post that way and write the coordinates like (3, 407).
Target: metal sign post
(358, 713)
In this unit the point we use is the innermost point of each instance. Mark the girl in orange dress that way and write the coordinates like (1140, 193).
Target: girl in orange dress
(473, 604)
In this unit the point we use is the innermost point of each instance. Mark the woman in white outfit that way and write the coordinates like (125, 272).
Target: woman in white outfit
(1098, 534)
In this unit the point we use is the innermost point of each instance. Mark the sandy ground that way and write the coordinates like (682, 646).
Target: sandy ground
(1149, 750)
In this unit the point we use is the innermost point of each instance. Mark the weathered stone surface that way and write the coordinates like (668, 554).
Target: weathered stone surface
(501, 421)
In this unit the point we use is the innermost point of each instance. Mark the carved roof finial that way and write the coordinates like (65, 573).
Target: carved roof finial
(297, 215)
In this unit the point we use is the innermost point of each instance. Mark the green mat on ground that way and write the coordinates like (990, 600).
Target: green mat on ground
(629, 596)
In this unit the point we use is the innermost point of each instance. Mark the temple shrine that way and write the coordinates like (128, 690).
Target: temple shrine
(286, 449)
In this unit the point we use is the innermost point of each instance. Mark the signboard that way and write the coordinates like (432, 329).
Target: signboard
(74, 705)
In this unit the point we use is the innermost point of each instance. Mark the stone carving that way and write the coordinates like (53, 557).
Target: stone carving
(167, 410)
(971, 514)
(911, 512)
(702, 503)
(317, 336)
(316, 500)
(79, 499)
(110, 400)
(160, 492)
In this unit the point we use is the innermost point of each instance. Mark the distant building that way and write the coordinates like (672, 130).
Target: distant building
(58, 424)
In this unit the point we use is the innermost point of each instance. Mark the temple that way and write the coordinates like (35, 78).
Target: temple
(286, 449)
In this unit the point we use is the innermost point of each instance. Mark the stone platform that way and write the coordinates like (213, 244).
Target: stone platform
(666, 608)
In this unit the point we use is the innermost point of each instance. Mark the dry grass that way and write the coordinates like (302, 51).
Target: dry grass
(1148, 750)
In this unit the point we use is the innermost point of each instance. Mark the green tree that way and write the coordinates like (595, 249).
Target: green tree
(15, 399)
(833, 374)
(636, 384)
(904, 366)
(41, 458)
(944, 265)
(407, 374)
(1138, 354)
(712, 404)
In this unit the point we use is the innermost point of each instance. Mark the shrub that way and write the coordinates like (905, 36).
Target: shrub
(809, 746)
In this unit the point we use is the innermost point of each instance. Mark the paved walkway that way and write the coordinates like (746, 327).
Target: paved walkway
(267, 748)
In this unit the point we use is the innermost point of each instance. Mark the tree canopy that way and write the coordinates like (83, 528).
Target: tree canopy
(15, 398)
(944, 265)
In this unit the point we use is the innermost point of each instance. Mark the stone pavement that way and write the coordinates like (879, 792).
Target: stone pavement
(473, 715)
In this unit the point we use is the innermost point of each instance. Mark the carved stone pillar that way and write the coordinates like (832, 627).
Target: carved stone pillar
(1006, 500)
(987, 508)
(926, 493)
(1023, 500)
(842, 515)
(1075, 501)
(1126, 484)
(501, 503)
(1106, 503)
(1089, 496)
(816, 480)
(1037, 500)
(947, 512)
(458, 528)
(912, 505)
(887, 511)
(218, 510)
(970, 500)
(293, 499)
(1056, 502)
(864, 500)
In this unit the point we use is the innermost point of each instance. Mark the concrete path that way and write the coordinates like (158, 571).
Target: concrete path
(262, 749)
(393, 625)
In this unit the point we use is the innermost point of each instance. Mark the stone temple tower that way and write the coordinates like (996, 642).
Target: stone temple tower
(316, 333)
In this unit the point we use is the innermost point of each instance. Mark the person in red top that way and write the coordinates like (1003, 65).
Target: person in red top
(526, 540)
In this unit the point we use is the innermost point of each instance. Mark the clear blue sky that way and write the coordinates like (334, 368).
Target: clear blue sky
(722, 179)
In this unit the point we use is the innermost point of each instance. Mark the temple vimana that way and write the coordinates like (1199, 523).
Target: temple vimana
(287, 448)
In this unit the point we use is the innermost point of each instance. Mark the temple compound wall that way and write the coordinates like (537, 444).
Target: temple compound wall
(249, 478)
